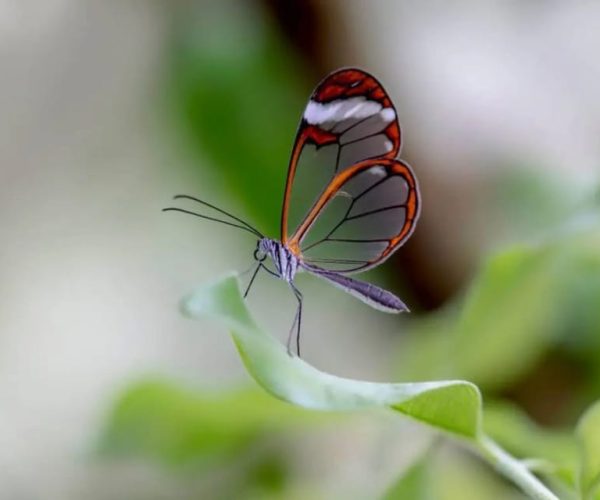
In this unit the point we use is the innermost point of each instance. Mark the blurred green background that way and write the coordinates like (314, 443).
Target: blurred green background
(110, 108)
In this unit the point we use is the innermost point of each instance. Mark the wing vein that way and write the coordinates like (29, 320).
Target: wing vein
(375, 211)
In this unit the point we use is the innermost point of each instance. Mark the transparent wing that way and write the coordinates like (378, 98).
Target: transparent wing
(366, 213)
(349, 119)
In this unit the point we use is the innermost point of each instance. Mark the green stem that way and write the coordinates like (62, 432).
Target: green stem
(514, 469)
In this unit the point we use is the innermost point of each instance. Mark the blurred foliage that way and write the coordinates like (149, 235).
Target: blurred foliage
(588, 434)
(509, 425)
(229, 439)
(530, 201)
(239, 93)
(415, 483)
(525, 299)
(442, 474)
(457, 476)
(529, 299)
(178, 426)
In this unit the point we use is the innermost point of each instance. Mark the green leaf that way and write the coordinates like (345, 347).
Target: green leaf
(588, 434)
(178, 426)
(453, 406)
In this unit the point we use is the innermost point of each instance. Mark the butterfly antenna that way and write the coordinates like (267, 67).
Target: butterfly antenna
(250, 230)
(220, 210)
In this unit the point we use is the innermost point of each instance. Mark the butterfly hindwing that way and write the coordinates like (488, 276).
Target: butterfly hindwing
(367, 212)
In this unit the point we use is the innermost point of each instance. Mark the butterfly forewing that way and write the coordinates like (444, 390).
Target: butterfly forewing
(315, 171)
(363, 216)
(349, 118)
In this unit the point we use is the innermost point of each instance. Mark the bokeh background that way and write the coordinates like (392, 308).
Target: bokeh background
(110, 108)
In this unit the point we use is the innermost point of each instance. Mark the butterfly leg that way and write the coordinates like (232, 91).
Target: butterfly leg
(269, 271)
(252, 279)
(258, 267)
(297, 324)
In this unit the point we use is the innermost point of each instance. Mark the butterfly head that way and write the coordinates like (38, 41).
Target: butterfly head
(262, 250)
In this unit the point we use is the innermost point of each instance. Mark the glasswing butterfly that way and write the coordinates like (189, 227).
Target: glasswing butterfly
(348, 203)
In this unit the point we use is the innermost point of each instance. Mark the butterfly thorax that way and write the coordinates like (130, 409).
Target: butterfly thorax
(285, 262)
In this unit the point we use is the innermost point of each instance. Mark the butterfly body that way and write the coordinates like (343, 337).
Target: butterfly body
(364, 203)
(285, 262)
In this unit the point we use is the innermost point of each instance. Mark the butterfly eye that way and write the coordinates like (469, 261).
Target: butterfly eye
(259, 254)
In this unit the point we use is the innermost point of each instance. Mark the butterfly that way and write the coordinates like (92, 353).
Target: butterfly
(349, 203)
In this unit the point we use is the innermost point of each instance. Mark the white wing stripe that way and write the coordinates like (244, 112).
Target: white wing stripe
(387, 114)
(318, 113)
